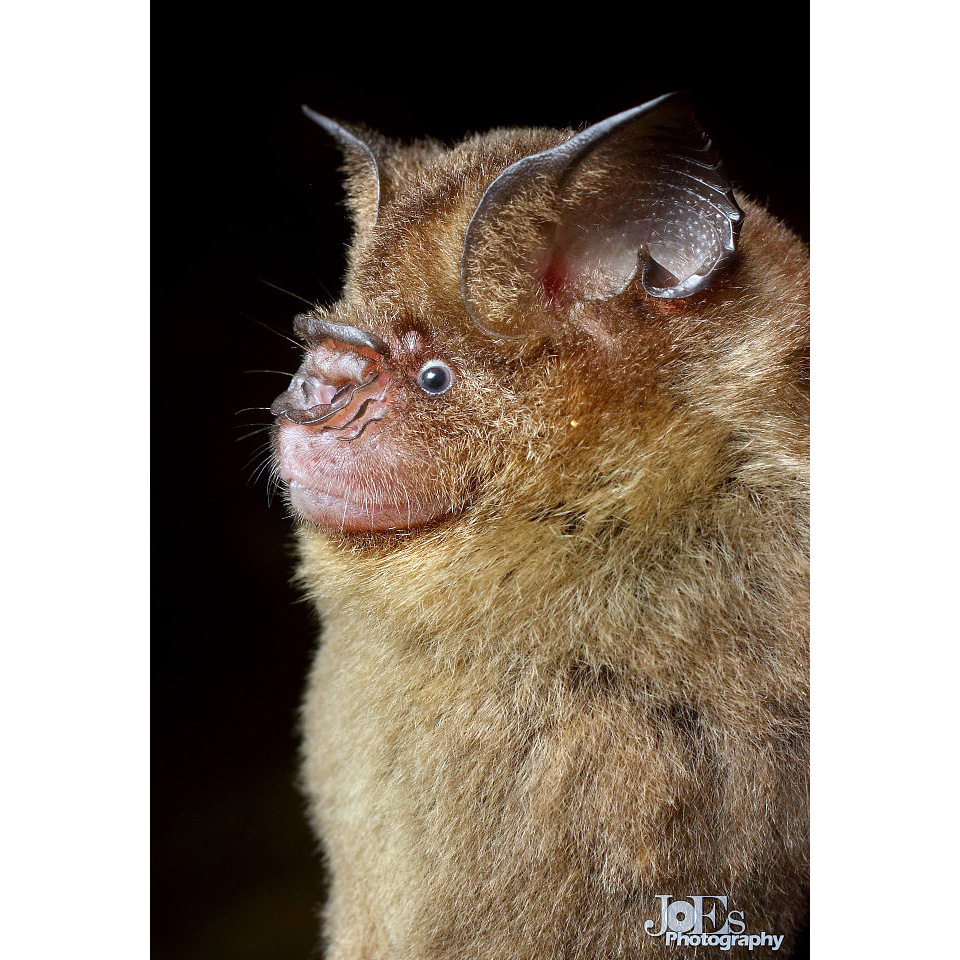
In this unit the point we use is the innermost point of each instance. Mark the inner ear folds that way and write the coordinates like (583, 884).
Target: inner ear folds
(641, 189)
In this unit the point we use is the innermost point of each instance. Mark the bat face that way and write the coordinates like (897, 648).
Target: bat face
(518, 318)
(371, 434)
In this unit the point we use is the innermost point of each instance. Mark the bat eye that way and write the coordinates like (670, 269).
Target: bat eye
(435, 377)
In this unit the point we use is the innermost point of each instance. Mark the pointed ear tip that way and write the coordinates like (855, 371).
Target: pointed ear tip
(678, 101)
(315, 116)
(331, 126)
(679, 98)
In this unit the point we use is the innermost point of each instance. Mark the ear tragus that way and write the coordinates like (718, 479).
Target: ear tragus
(571, 223)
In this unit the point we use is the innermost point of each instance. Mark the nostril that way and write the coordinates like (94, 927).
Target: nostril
(330, 377)
(316, 392)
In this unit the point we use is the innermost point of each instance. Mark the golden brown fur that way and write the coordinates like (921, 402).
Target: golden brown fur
(586, 686)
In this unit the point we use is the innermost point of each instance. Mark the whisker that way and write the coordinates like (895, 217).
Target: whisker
(256, 468)
(255, 427)
(274, 484)
(320, 283)
(256, 424)
(282, 373)
(264, 464)
(267, 326)
(289, 293)
(263, 448)
(249, 436)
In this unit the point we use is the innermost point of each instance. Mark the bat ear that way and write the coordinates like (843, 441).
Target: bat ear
(360, 163)
(643, 188)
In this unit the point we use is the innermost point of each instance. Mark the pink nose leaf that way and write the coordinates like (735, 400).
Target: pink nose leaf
(312, 401)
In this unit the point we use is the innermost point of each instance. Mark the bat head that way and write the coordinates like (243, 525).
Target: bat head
(534, 323)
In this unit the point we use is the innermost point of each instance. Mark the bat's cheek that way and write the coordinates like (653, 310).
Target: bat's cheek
(368, 484)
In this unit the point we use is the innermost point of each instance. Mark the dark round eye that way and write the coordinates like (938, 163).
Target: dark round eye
(435, 377)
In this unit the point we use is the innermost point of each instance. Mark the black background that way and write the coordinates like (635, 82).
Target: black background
(246, 194)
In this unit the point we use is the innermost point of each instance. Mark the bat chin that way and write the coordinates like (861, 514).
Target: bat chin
(341, 514)
(363, 487)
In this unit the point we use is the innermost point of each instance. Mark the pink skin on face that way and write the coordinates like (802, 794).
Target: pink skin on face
(345, 468)
(361, 485)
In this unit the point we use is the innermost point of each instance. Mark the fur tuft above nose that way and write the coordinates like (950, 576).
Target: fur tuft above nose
(333, 364)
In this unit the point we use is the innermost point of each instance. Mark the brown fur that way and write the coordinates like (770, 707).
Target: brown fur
(587, 685)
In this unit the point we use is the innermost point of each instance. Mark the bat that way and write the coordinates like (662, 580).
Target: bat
(548, 459)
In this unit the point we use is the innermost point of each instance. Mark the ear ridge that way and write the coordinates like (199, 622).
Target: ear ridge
(642, 188)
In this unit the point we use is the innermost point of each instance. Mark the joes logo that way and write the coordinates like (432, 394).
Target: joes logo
(706, 921)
